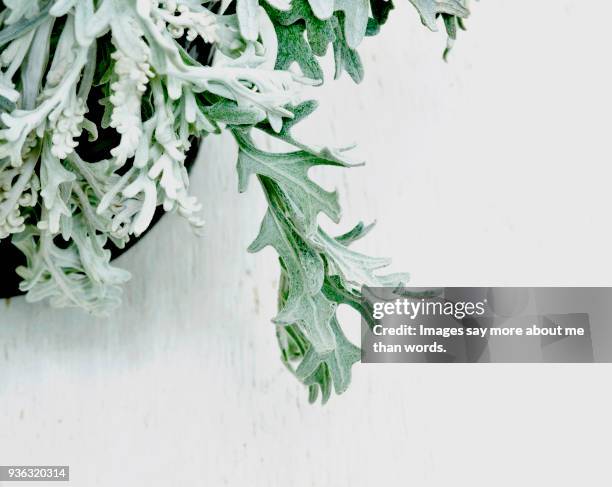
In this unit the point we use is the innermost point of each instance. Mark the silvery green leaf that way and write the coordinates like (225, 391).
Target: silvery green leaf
(346, 58)
(18, 180)
(280, 4)
(337, 363)
(430, 9)
(62, 7)
(132, 70)
(23, 9)
(145, 190)
(9, 94)
(6, 105)
(318, 272)
(268, 40)
(355, 20)
(323, 9)
(300, 112)
(357, 232)
(95, 258)
(305, 305)
(380, 14)
(34, 68)
(60, 276)
(225, 111)
(53, 175)
(304, 198)
(248, 11)
(15, 29)
(294, 48)
(302, 37)
(356, 269)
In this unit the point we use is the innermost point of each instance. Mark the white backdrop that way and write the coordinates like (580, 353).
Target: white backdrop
(492, 169)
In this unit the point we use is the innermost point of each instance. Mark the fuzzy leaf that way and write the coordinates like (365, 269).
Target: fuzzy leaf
(248, 13)
(430, 9)
(24, 25)
(346, 58)
(355, 20)
(304, 198)
(305, 305)
(318, 272)
(322, 9)
(58, 274)
(6, 105)
(294, 48)
(337, 363)
(356, 233)
(300, 112)
(344, 29)
(354, 268)
(380, 13)
(226, 111)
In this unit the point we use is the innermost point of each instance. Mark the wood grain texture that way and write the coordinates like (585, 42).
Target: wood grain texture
(492, 169)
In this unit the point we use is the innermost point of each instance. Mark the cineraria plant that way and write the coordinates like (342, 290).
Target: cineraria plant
(100, 103)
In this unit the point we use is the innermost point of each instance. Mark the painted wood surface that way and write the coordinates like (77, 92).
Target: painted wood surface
(491, 169)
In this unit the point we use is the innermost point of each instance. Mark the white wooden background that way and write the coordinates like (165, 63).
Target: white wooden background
(492, 169)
